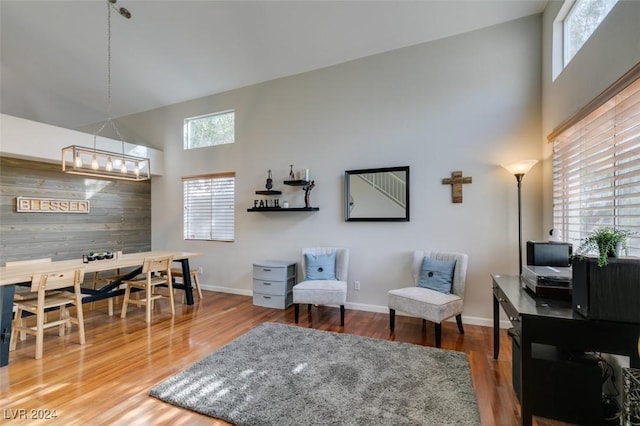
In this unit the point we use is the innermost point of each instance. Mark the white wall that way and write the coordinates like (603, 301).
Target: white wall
(608, 54)
(470, 103)
(32, 140)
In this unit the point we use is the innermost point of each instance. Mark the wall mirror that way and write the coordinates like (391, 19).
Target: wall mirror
(377, 195)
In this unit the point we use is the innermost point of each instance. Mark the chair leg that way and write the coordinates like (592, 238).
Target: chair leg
(80, 318)
(196, 282)
(94, 286)
(149, 304)
(459, 321)
(171, 298)
(39, 332)
(341, 315)
(309, 308)
(125, 302)
(296, 312)
(22, 322)
(17, 321)
(438, 334)
(63, 316)
(392, 319)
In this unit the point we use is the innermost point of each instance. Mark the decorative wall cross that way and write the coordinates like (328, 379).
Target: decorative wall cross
(456, 180)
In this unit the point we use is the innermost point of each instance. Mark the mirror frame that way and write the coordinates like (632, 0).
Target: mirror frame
(347, 195)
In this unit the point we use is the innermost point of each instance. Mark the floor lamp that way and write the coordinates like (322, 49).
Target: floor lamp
(519, 169)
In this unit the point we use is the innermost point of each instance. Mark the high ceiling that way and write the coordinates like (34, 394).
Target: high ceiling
(53, 55)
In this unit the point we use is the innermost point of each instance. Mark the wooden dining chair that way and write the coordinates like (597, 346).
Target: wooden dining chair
(195, 280)
(101, 278)
(156, 271)
(22, 292)
(42, 283)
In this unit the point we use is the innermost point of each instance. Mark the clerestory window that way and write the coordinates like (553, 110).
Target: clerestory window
(209, 130)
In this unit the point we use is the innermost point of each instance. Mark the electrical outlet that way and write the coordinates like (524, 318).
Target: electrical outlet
(200, 270)
(356, 285)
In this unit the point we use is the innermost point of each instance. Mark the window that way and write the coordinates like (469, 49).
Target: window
(596, 166)
(209, 212)
(209, 130)
(581, 21)
(574, 24)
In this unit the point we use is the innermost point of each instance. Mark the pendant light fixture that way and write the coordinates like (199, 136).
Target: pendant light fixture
(99, 163)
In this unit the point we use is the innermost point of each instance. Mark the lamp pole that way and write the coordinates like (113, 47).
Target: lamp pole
(519, 177)
(519, 169)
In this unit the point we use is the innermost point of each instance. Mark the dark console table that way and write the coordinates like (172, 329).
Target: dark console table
(553, 322)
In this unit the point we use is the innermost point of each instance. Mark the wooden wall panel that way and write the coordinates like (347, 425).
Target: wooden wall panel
(119, 217)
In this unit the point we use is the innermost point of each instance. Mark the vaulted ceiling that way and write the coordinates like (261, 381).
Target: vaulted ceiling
(53, 54)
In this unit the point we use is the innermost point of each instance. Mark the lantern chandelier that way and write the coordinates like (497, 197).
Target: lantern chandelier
(99, 163)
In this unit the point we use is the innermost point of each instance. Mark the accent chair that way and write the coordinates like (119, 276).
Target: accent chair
(324, 279)
(435, 305)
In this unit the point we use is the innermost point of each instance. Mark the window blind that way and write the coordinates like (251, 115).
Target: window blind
(596, 170)
(209, 207)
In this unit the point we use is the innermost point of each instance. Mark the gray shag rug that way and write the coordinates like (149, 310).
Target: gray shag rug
(283, 375)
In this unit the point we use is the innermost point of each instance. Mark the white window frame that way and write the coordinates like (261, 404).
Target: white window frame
(209, 207)
(561, 55)
(188, 143)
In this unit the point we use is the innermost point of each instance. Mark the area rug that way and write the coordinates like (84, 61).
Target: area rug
(283, 375)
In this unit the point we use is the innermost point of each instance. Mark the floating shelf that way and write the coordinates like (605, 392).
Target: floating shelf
(282, 209)
(296, 182)
(269, 192)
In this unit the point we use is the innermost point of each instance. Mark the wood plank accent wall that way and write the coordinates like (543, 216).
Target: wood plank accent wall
(120, 216)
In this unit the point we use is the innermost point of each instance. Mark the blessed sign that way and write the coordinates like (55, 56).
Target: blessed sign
(50, 205)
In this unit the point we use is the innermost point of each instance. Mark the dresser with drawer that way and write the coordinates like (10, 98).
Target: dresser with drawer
(273, 282)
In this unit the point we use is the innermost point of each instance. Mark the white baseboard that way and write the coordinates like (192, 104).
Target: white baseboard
(240, 292)
(485, 322)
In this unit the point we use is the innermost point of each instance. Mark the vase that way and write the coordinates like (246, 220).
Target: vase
(611, 251)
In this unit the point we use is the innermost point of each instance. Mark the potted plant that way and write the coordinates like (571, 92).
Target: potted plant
(607, 242)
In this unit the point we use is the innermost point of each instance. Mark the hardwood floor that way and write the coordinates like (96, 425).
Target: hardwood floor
(107, 380)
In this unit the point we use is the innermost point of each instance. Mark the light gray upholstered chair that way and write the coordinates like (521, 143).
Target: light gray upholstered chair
(431, 305)
(323, 292)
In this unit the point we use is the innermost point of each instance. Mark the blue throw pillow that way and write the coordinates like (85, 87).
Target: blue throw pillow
(320, 266)
(437, 274)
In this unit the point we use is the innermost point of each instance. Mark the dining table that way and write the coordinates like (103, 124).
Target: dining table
(131, 262)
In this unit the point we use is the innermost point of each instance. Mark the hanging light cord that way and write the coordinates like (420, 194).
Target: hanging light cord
(124, 12)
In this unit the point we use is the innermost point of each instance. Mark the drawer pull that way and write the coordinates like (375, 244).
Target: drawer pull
(501, 300)
(266, 270)
(514, 319)
(266, 283)
(266, 297)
